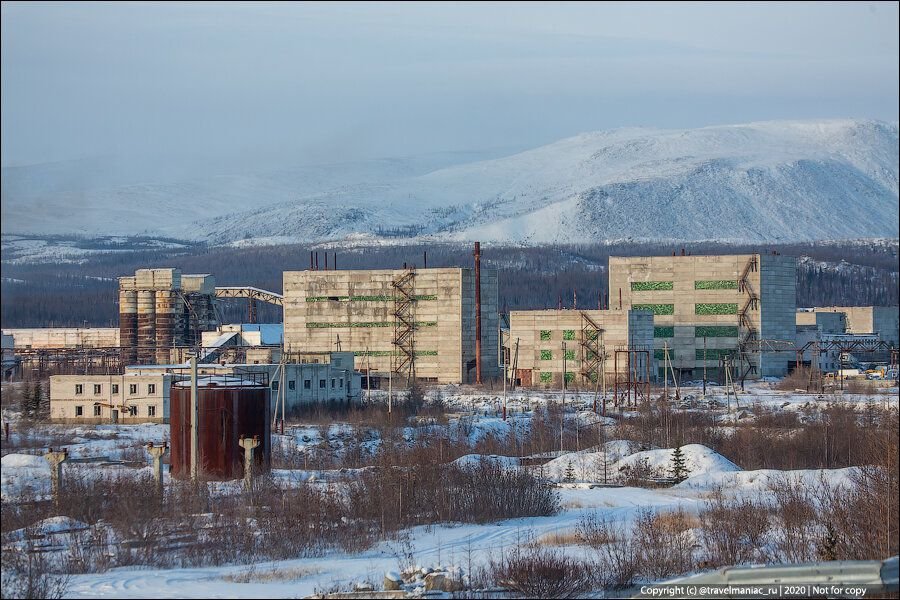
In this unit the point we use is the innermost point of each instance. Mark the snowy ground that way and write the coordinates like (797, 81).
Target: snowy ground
(475, 415)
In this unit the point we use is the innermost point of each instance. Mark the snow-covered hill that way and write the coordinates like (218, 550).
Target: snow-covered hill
(770, 181)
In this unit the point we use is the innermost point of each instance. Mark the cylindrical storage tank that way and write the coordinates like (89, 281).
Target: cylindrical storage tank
(146, 318)
(229, 409)
(165, 325)
(128, 325)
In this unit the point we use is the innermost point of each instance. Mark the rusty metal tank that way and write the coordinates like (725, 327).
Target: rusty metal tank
(128, 326)
(230, 408)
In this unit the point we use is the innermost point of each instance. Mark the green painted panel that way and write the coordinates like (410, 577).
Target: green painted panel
(568, 334)
(546, 377)
(546, 355)
(545, 335)
(570, 355)
(716, 284)
(660, 354)
(656, 309)
(714, 353)
(314, 325)
(364, 298)
(663, 332)
(650, 286)
(392, 353)
(726, 308)
(715, 331)
(570, 376)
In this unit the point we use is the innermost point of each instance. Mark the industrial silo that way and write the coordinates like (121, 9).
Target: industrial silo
(128, 324)
(146, 322)
(165, 325)
(229, 408)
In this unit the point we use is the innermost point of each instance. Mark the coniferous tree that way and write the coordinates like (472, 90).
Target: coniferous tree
(678, 469)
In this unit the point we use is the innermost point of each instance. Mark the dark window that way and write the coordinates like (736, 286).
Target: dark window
(97, 388)
(332, 383)
(96, 410)
(292, 385)
(132, 388)
(79, 389)
(132, 411)
(115, 388)
(79, 411)
(151, 388)
(307, 384)
(322, 384)
(275, 386)
(342, 382)
(151, 411)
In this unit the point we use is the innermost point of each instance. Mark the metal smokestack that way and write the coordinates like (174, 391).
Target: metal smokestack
(478, 313)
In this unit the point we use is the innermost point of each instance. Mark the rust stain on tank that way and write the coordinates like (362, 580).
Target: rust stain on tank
(227, 413)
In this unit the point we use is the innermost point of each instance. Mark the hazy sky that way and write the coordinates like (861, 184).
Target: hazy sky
(283, 84)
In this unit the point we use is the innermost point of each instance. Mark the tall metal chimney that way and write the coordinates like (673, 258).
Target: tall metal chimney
(478, 313)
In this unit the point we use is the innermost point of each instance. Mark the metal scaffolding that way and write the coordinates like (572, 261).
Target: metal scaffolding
(404, 362)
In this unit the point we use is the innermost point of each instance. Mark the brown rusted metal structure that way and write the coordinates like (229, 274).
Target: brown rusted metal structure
(128, 325)
(230, 408)
(633, 384)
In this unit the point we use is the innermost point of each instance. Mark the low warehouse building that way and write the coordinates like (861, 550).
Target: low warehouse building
(128, 398)
(142, 394)
(580, 343)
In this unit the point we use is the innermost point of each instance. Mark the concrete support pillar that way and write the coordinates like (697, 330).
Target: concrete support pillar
(56, 458)
(157, 453)
(248, 444)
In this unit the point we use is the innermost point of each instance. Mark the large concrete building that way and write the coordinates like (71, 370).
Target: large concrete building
(580, 343)
(815, 327)
(161, 309)
(42, 338)
(709, 307)
(883, 321)
(142, 394)
(396, 320)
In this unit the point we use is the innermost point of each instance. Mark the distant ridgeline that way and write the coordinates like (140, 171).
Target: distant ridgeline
(66, 294)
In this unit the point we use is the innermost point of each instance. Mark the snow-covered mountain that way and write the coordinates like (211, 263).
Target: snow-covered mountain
(770, 181)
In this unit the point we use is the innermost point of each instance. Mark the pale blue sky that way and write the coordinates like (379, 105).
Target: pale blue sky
(263, 84)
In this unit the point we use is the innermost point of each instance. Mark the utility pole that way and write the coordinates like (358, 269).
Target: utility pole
(195, 421)
(666, 371)
(504, 390)
(704, 366)
(368, 377)
(564, 375)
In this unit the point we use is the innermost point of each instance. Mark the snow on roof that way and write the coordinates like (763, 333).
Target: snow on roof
(219, 380)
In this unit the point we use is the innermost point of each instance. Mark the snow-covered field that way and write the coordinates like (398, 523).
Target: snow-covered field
(578, 475)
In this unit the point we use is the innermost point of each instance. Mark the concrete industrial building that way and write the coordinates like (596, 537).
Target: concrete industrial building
(546, 343)
(396, 320)
(883, 321)
(142, 394)
(128, 398)
(41, 338)
(815, 327)
(161, 309)
(9, 356)
(710, 307)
